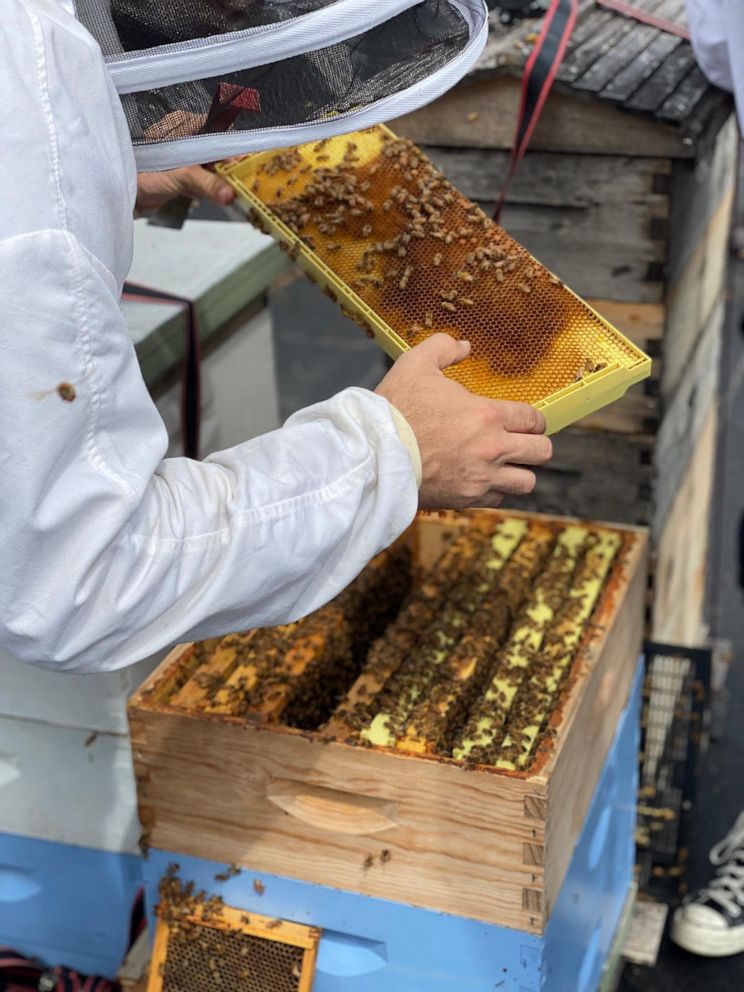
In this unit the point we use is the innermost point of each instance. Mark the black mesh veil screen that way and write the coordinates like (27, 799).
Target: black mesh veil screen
(307, 88)
(133, 25)
(195, 75)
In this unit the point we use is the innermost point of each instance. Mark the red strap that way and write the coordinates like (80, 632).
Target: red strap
(191, 383)
(229, 101)
(644, 17)
(537, 81)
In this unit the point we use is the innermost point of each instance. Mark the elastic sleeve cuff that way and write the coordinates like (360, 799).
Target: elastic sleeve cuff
(405, 432)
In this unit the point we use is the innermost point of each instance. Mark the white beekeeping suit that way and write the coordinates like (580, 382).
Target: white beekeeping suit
(108, 552)
(717, 28)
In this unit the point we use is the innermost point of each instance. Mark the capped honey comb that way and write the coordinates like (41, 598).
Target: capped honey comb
(405, 254)
(464, 662)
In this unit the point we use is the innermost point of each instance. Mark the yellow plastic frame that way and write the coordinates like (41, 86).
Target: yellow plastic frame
(297, 935)
(561, 408)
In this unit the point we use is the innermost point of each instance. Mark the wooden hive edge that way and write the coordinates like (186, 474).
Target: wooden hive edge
(443, 820)
(588, 720)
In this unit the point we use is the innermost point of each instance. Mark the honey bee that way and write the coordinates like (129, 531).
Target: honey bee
(258, 887)
(230, 872)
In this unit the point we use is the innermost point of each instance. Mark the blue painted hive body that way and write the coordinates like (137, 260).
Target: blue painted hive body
(377, 945)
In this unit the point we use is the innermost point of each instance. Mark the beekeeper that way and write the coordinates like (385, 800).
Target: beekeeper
(108, 551)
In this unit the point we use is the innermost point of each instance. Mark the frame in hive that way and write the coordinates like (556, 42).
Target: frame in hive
(397, 822)
(405, 254)
(208, 945)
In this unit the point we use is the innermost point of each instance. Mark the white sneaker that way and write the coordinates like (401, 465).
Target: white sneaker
(711, 922)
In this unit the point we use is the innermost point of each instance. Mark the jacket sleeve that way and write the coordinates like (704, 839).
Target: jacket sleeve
(108, 552)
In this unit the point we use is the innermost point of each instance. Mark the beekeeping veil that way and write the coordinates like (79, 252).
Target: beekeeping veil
(201, 80)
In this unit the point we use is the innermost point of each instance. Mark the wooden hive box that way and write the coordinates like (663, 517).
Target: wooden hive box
(476, 842)
(626, 192)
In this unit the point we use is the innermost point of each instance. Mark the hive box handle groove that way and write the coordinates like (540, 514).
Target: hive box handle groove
(330, 809)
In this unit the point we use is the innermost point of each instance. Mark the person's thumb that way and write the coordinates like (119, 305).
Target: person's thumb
(442, 350)
(217, 190)
(201, 184)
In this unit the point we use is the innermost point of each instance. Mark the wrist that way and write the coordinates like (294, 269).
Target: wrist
(408, 438)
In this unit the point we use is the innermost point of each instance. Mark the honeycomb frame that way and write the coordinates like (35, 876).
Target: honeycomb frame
(205, 929)
(474, 665)
(542, 344)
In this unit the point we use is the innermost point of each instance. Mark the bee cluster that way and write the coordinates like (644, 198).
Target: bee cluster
(297, 673)
(466, 661)
(425, 258)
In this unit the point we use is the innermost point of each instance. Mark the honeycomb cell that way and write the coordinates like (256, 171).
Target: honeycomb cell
(210, 959)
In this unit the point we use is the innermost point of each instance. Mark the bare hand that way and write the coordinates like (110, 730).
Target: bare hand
(156, 188)
(473, 450)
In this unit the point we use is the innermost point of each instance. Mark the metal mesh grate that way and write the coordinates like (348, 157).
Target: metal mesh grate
(424, 258)
(676, 704)
(203, 959)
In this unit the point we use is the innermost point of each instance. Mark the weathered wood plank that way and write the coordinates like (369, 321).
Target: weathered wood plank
(681, 558)
(596, 474)
(635, 413)
(686, 414)
(617, 260)
(697, 190)
(628, 80)
(567, 124)
(643, 323)
(556, 180)
(660, 86)
(693, 296)
(623, 53)
(608, 37)
(680, 104)
(597, 221)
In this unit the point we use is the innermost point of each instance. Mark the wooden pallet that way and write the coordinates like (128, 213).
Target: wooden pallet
(414, 828)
